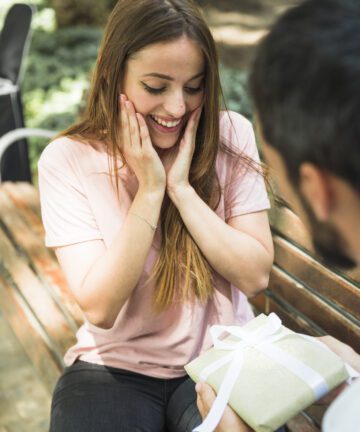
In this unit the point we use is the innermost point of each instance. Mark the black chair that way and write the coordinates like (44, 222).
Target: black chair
(8, 140)
(14, 43)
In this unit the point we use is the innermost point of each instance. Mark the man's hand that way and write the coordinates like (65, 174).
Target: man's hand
(342, 350)
(230, 421)
(348, 355)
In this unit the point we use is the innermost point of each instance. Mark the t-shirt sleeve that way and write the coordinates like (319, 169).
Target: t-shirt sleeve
(245, 190)
(65, 209)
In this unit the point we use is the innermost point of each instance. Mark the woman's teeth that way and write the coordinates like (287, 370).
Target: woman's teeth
(162, 122)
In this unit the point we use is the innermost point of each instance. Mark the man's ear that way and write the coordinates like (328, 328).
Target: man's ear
(315, 186)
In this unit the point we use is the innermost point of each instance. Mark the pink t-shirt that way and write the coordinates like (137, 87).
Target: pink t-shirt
(79, 203)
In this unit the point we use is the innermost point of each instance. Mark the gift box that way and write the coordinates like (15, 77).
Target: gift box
(265, 372)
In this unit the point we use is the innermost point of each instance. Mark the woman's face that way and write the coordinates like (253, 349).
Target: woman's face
(165, 82)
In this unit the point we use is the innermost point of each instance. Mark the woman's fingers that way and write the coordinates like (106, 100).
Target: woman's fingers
(191, 127)
(124, 117)
(133, 125)
(144, 133)
(187, 143)
(129, 124)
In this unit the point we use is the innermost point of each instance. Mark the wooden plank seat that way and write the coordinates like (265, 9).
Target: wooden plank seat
(35, 299)
(34, 296)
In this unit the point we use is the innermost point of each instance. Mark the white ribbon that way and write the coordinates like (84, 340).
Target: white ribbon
(262, 339)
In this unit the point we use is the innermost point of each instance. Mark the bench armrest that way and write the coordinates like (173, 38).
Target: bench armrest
(11, 137)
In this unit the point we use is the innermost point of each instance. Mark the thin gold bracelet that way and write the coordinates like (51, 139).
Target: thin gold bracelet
(153, 227)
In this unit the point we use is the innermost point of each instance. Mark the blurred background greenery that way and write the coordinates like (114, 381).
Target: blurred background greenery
(65, 39)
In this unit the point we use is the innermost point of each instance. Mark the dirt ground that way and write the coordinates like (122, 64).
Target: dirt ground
(238, 25)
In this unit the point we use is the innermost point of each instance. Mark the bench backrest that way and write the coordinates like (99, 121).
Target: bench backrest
(309, 296)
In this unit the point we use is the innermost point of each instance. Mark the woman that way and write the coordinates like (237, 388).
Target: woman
(157, 213)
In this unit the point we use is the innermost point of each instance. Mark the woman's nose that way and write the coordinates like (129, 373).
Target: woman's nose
(175, 105)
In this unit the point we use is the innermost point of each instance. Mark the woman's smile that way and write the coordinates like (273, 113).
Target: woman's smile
(166, 126)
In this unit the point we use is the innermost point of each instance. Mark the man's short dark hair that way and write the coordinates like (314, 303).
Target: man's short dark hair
(305, 83)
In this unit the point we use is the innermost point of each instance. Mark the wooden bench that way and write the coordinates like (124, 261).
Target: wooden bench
(35, 299)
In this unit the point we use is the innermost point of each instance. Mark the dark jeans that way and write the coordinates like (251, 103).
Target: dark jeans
(93, 398)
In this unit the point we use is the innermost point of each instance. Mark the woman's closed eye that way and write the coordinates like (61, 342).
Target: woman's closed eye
(193, 90)
(155, 90)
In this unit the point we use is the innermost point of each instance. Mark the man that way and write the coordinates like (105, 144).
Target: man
(306, 88)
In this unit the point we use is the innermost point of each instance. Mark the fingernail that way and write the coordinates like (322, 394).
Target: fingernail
(198, 387)
(122, 98)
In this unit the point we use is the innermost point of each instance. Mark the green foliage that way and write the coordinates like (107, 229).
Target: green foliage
(56, 77)
(58, 72)
(69, 53)
(236, 92)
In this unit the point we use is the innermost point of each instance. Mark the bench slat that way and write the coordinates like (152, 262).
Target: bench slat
(36, 296)
(301, 424)
(31, 246)
(290, 317)
(25, 196)
(316, 412)
(328, 318)
(287, 224)
(317, 276)
(30, 334)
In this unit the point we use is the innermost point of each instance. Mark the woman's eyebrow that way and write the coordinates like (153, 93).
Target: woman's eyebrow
(169, 78)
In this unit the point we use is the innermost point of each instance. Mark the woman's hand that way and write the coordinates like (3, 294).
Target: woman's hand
(138, 150)
(230, 420)
(177, 161)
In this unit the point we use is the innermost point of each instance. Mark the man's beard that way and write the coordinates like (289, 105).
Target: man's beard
(327, 241)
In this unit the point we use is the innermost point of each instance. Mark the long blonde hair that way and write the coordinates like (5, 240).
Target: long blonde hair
(181, 271)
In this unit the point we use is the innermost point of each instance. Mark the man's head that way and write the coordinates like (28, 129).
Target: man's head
(306, 88)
